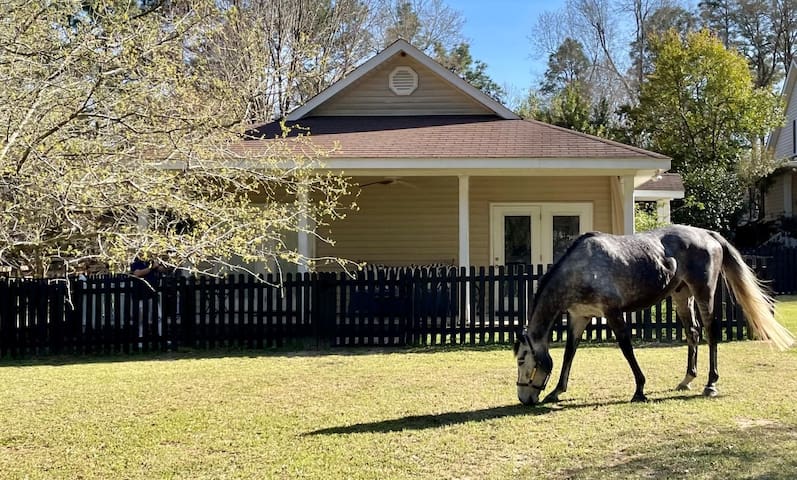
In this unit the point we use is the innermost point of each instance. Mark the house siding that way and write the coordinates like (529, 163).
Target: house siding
(785, 147)
(774, 205)
(371, 95)
(487, 190)
(417, 222)
(399, 224)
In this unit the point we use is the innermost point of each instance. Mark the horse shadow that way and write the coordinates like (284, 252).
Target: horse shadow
(424, 422)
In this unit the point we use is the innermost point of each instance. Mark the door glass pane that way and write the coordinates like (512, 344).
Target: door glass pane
(517, 239)
(565, 230)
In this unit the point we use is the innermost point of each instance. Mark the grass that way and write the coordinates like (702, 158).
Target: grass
(387, 414)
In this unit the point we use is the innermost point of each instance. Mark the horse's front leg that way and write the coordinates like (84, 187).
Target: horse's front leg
(620, 329)
(574, 332)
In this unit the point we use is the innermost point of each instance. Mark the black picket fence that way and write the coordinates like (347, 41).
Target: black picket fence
(781, 268)
(388, 307)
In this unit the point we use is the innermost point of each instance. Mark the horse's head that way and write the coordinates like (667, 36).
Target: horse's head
(533, 370)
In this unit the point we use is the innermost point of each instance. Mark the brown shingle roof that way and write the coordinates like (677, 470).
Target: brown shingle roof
(447, 137)
(671, 182)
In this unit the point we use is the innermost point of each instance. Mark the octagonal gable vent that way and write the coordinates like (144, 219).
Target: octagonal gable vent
(403, 80)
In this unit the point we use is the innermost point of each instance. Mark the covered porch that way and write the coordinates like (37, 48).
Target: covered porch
(476, 218)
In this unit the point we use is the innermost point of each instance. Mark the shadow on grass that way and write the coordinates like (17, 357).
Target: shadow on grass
(423, 422)
(290, 350)
(753, 453)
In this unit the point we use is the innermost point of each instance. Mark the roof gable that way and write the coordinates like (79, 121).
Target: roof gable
(366, 90)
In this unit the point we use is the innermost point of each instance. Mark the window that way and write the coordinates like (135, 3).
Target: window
(566, 228)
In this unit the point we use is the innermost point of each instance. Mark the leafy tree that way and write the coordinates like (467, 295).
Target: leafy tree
(700, 107)
(567, 65)
(645, 217)
(659, 21)
(120, 139)
(459, 61)
(569, 101)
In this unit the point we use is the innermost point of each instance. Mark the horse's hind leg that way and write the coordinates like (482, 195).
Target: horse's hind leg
(574, 332)
(684, 306)
(706, 306)
(620, 330)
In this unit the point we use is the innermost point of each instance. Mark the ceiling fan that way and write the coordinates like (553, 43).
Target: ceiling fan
(389, 181)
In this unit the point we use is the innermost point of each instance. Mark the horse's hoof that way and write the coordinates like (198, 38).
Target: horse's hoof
(710, 392)
(639, 398)
(552, 397)
(683, 388)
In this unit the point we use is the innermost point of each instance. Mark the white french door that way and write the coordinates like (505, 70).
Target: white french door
(526, 233)
(516, 234)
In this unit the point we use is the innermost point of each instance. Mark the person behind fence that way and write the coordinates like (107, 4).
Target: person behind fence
(145, 292)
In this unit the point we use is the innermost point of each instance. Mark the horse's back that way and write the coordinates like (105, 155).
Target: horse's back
(633, 271)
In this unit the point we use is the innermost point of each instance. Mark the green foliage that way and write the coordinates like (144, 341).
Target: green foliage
(646, 218)
(567, 65)
(699, 106)
(459, 60)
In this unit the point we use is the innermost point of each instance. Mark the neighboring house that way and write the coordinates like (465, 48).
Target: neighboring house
(661, 189)
(448, 175)
(779, 197)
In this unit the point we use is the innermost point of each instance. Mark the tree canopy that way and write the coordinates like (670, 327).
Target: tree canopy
(699, 106)
(117, 141)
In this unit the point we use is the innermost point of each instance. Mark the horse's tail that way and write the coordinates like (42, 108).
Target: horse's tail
(758, 306)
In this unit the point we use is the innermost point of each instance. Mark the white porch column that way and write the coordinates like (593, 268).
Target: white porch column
(788, 208)
(303, 243)
(464, 221)
(628, 204)
(464, 237)
(663, 211)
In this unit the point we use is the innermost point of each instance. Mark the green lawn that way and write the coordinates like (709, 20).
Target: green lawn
(438, 413)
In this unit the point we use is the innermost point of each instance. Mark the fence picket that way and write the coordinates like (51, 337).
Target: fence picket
(407, 306)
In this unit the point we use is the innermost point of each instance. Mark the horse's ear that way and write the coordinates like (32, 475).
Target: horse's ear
(520, 336)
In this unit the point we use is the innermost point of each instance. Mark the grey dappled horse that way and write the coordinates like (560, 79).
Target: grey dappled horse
(604, 275)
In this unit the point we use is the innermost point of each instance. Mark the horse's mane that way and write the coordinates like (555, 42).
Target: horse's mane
(546, 278)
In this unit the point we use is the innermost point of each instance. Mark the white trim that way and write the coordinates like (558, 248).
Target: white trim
(628, 165)
(653, 195)
(788, 210)
(395, 48)
(641, 169)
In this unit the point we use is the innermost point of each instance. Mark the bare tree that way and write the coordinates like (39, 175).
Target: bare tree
(423, 23)
(118, 138)
(286, 51)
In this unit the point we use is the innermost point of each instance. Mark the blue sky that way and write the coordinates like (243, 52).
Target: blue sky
(498, 32)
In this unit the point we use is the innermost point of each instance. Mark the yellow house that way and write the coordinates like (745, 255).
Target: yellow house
(449, 175)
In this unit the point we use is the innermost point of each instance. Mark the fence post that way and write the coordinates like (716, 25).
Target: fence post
(324, 306)
(7, 315)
